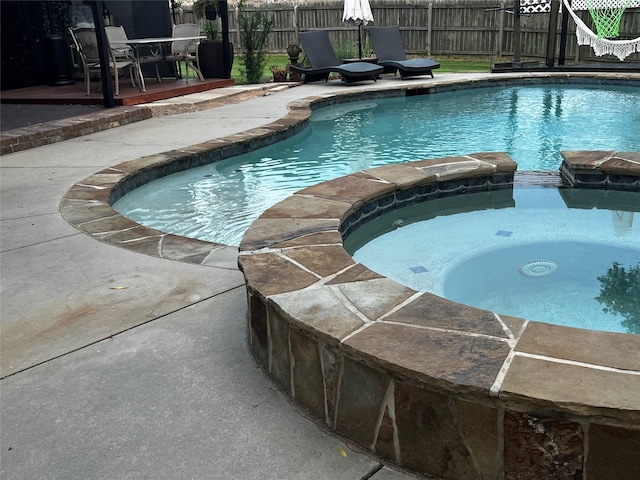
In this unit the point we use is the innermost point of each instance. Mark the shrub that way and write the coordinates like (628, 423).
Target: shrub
(254, 30)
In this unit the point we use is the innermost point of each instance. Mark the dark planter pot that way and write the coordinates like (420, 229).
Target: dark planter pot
(279, 76)
(295, 76)
(210, 55)
(210, 12)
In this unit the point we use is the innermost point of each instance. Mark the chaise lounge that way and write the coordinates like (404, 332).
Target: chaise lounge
(391, 55)
(323, 60)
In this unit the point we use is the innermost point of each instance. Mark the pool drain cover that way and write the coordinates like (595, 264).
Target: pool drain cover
(538, 268)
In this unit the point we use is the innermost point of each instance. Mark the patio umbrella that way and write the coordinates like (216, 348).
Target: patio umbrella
(357, 12)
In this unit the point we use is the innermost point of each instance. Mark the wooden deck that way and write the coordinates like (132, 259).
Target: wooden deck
(76, 95)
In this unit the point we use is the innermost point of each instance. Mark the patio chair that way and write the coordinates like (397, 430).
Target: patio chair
(184, 50)
(323, 60)
(391, 55)
(118, 42)
(118, 39)
(86, 45)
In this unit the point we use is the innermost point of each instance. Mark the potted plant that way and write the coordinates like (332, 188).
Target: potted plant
(207, 9)
(279, 73)
(293, 51)
(210, 50)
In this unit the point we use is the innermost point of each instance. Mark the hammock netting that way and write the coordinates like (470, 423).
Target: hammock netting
(607, 16)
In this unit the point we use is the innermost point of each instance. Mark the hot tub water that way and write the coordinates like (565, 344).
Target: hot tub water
(535, 257)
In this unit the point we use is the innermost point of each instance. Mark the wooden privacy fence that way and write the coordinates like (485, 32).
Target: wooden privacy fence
(431, 28)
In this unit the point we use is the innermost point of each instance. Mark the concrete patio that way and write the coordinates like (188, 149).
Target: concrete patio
(122, 365)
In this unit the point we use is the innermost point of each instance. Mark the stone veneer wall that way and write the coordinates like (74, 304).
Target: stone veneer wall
(437, 387)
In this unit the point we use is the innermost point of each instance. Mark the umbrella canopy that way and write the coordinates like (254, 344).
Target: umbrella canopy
(359, 13)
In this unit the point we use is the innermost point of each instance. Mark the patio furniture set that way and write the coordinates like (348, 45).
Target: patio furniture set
(390, 57)
(131, 53)
(127, 53)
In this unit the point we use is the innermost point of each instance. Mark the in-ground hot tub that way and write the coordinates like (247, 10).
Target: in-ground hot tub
(559, 255)
(435, 386)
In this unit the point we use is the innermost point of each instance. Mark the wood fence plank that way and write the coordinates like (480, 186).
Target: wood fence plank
(432, 27)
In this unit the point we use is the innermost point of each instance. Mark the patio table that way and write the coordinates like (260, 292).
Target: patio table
(159, 52)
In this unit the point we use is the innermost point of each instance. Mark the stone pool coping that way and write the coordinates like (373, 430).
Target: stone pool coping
(332, 332)
(314, 356)
(87, 204)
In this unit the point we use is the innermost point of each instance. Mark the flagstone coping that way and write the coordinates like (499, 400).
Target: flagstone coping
(344, 341)
(87, 204)
(372, 358)
(602, 169)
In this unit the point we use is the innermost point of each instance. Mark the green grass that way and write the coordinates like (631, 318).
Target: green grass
(448, 64)
(463, 64)
(279, 60)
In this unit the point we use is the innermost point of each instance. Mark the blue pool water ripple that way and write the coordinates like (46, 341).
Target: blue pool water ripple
(532, 124)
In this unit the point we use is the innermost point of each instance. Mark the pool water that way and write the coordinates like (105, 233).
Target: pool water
(559, 256)
(218, 202)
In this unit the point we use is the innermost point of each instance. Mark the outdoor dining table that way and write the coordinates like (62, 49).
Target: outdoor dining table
(158, 52)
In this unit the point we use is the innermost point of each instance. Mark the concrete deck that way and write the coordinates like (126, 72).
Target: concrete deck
(122, 365)
(117, 364)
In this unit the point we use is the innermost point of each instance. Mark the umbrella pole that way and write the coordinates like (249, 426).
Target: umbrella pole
(360, 40)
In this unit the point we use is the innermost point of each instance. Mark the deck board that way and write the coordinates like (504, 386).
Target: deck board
(76, 95)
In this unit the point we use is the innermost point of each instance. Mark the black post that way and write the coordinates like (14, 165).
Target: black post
(553, 33)
(223, 12)
(105, 70)
(563, 35)
(516, 33)
(360, 40)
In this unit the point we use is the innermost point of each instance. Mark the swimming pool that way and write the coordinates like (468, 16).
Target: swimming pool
(218, 202)
(353, 347)
(558, 256)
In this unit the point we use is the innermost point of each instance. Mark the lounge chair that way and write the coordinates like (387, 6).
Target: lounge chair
(323, 60)
(391, 55)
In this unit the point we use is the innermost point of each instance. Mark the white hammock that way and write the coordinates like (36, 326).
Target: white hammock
(602, 46)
